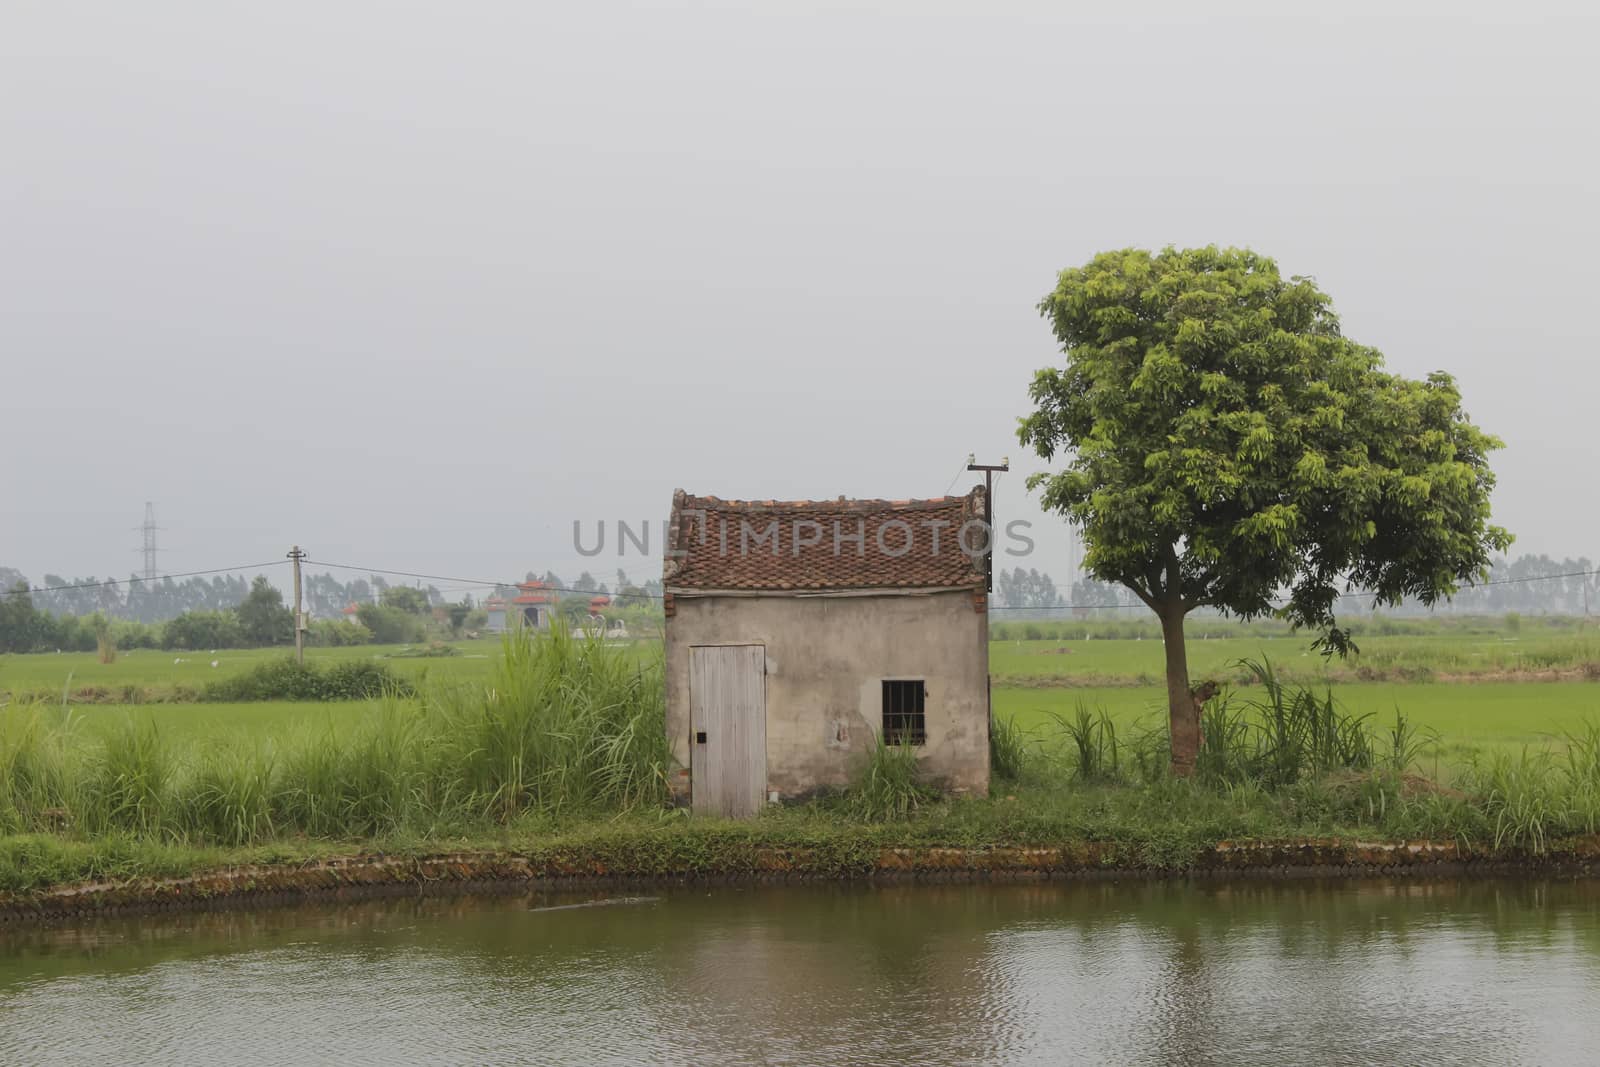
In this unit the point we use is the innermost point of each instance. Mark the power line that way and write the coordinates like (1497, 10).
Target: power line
(957, 476)
(135, 580)
(462, 581)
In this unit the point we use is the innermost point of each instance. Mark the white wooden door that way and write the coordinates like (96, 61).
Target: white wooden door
(728, 724)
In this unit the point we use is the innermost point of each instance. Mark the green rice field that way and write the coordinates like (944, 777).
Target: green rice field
(52, 672)
(1489, 715)
(1128, 661)
(1467, 717)
(1476, 690)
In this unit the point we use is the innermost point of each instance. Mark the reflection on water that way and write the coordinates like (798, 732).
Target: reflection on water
(1349, 973)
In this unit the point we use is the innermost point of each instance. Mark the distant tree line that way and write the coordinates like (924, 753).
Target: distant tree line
(198, 613)
(1528, 585)
(1018, 588)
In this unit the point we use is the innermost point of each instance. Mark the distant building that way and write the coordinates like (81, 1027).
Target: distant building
(798, 633)
(495, 608)
(532, 606)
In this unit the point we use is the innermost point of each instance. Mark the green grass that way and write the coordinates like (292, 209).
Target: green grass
(148, 667)
(1483, 716)
(1167, 823)
(1480, 716)
(1106, 661)
(566, 723)
(47, 675)
(1070, 661)
(191, 722)
(557, 749)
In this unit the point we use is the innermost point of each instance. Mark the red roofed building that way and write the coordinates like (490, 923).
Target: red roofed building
(532, 605)
(800, 632)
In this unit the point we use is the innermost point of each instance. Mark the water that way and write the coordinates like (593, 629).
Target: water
(1481, 972)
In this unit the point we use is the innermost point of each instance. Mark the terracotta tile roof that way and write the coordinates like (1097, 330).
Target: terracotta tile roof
(815, 545)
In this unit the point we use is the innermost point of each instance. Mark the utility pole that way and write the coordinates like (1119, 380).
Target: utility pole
(988, 470)
(299, 620)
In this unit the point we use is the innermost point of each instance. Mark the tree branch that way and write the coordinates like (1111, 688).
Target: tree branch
(1174, 588)
(1152, 578)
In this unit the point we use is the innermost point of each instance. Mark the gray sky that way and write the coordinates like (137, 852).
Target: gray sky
(417, 285)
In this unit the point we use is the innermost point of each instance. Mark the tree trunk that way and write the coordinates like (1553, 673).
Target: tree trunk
(1182, 715)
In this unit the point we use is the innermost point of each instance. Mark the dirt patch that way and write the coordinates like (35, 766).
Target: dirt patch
(1588, 672)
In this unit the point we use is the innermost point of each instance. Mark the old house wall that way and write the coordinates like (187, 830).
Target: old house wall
(826, 660)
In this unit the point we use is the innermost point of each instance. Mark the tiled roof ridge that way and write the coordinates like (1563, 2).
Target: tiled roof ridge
(716, 503)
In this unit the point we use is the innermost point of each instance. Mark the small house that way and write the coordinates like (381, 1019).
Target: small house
(798, 633)
(532, 605)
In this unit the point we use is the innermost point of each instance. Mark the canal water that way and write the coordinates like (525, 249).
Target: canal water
(1471, 972)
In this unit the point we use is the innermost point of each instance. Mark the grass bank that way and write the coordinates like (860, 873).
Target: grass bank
(560, 759)
(1096, 830)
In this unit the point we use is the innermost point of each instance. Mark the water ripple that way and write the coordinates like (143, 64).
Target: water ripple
(1486, 973)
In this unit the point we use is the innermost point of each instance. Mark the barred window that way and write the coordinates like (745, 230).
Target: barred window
(904, 722)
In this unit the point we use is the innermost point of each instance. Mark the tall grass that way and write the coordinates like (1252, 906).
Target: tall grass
(890, 785)
(105, 641)
(1096, 752)
(37, 770)
(1280, 736)
(567, 723)
(1008, 749)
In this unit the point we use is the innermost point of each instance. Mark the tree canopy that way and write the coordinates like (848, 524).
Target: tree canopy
(1226, 445)
(262, 617)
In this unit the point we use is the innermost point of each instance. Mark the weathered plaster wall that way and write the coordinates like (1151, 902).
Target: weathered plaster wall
(826, 660)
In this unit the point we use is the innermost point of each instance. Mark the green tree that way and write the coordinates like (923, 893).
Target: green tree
(1225, 444)
(21, 627)
(407, 599)
(458, 615)
(202, 629)
(390, 625)
(1020, 588)
(263, 620)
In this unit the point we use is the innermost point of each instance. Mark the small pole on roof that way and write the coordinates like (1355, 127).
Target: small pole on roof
(988, 470)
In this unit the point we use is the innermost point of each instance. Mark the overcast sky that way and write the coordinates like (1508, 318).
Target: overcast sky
(418, 285)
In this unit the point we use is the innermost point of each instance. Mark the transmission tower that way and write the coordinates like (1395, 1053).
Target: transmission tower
(149, 530)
